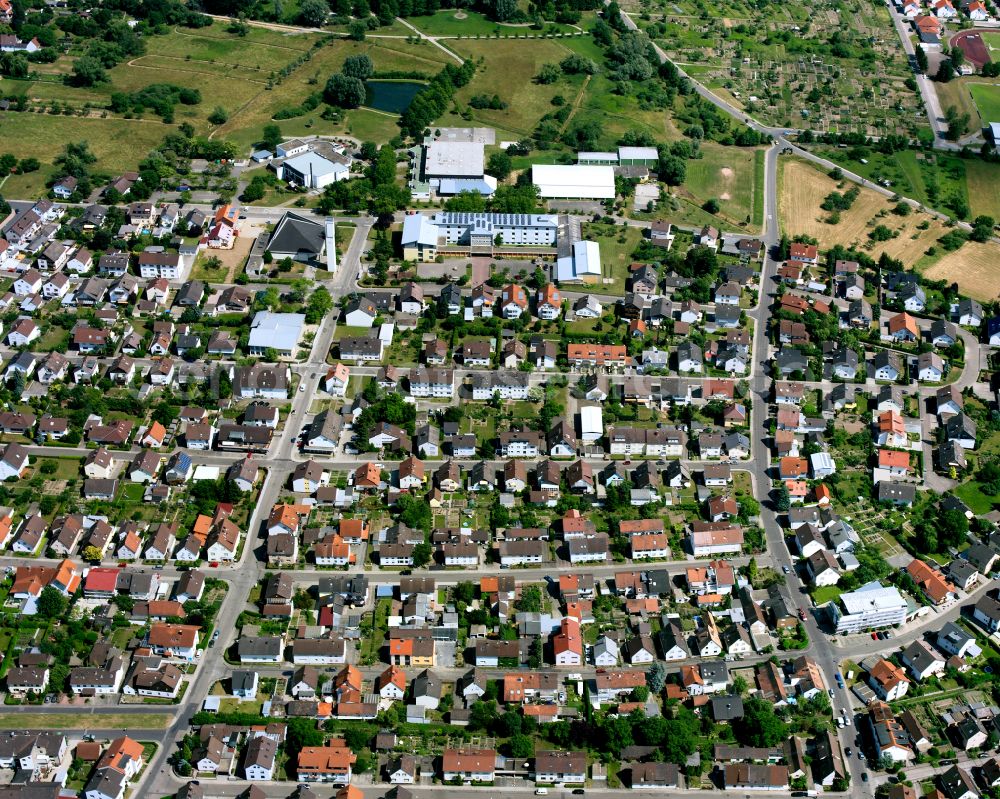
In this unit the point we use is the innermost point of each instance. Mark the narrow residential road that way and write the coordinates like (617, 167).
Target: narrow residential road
(927, 91)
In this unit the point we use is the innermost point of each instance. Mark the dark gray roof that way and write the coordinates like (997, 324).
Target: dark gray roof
(295, 233)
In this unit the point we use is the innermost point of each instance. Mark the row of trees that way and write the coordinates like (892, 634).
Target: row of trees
(433, 100)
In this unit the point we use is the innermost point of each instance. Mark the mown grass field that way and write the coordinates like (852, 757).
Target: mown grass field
(507, 68)
(244, 126)
(802, 190)
(956, 93)
(93, 721)
(119, 144)
(983, 182)
(453, 22)
(931, 178)
(229, 71)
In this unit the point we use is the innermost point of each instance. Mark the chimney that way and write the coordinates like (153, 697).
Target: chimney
(331, 245)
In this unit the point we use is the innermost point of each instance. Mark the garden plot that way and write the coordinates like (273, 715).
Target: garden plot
(790, 65)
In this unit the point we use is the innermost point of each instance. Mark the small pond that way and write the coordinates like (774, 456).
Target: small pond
(392, 96)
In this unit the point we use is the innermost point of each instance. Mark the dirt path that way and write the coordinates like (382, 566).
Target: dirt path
(432, 39)
(181, 32)
(133, 63)
(577, 101)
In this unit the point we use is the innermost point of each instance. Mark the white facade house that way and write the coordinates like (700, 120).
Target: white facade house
(582, 264)
(312, 171)
(591, 423)
(574, 182)
(277, 331)
(869, 607)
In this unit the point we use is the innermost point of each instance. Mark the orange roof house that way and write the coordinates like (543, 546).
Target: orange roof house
(400, 647)
(803, 252)
(202, 527)
(392, 676)
(30, 580)
(894, 459)
(792, 468)
(903, 323)
(226, 215)
(284, 516)
(348, 677)
(927, 24)
(640, 526)
(354, 529)
(930, 581)
(325, 763)
(155, 435)
(597, 354)
(549, 296)
(124, 755)
(516, 295)
(891, 422)
(367, 475)
(797, 489)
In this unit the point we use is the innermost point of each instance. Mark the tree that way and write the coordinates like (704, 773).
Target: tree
(358, 66)
(501, 10)
(531, 599)
(711, 206)
(422, 554)
(672, 170)
(946, 72)
(218, 116)
(656, 677)
(921, 58)
(521, 745)
(91, 554)
(52, 603)
(319, 305)
(740, 685)
(344, 91)
(549, 73)
(499, 165)
(88, 71)
(982, 228)
(783, 501)
(356, 31)
(271, 136)
(759, 725)
(958, 123)
(483, 714)
(313, 13)
(14, 65)
(952, 527)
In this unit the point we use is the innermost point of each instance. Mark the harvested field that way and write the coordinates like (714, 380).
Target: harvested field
(975, 267)
(801, 192)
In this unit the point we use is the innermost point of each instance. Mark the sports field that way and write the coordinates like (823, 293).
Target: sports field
(987, 99)
(726, 174)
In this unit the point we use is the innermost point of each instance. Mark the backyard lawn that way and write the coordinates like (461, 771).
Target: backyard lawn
(617, 245)
(824, 594)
